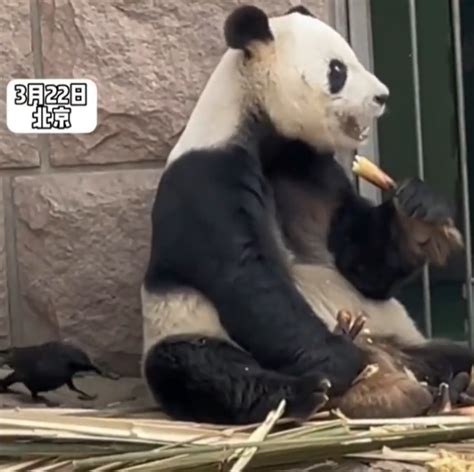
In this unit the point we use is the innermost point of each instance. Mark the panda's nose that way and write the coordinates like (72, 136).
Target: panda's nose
(381, 99)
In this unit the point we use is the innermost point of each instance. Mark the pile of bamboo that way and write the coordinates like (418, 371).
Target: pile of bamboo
(94, 440)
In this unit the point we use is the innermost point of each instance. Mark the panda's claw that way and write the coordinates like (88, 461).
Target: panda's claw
(324, 400)
(357, 325)
(465, 399)
(460, 382)
(344, 322)
(461, 390)
(325, 384)
(442, 402)
(348, 324)
(307, 396)
(368, 371)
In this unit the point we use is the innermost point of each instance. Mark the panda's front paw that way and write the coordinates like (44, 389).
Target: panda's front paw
(427, 221)
(349, 325)
(414, 199)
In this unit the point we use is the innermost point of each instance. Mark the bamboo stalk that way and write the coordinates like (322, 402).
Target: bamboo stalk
(33, 449)
(112, 444)
(23, 466)
(152, 431)
(109, 467)
(336, 451)
(323, 447)
(169, 450)
(389, 454)
(258, 435)
(448, 420)
(329, 427)
(307, 450)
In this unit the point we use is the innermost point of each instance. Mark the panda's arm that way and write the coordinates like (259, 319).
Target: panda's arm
(319, 208)
(379, 247)
(212, 232)
(370, 247)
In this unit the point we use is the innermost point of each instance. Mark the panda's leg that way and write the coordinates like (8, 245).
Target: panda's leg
(383, 389)
(438, 362)
(208, 380)
(385, 395)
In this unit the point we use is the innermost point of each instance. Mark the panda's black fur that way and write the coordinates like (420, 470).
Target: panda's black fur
(222, 223)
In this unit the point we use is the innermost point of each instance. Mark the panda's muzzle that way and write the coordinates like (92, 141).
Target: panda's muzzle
(351, 127)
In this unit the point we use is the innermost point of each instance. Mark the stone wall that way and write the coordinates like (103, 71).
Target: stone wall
(75, 208)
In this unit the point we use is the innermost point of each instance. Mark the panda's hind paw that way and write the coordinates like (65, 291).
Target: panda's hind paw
(308, 396)
(462, 390)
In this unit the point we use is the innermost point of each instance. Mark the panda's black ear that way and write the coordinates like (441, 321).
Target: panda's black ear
(245, 26)
(300, 9)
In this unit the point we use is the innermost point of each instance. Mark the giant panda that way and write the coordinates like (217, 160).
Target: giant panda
(259, 240)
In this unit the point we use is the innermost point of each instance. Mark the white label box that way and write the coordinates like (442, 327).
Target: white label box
(52, 106)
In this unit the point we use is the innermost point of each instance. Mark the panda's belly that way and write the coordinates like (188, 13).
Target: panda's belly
(185, 312)
(328, 293)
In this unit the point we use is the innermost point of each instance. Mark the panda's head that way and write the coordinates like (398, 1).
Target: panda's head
(296, 69)
(306, 76)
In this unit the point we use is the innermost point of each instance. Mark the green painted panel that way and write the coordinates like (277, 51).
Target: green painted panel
(467, 23)
(392, 63)
(397, 132)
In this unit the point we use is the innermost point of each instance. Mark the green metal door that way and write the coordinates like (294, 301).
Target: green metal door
(392, 51)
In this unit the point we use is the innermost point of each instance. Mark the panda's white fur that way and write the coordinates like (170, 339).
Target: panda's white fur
(287, 77)
(327, 291)
(290, 81)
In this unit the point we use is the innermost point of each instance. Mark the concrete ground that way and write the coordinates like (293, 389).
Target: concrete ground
(126, 392)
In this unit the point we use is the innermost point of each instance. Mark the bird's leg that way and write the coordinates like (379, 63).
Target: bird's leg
(82, 395)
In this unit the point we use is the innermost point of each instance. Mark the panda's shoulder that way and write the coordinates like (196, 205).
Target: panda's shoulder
(210, 178)
(210, 164)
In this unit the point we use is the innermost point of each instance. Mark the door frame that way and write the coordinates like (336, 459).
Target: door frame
(352, 19)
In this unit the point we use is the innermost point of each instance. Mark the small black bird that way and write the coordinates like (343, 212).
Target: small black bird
(46, 367)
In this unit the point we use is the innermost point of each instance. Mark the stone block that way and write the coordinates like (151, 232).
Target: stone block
(149, 59)
(4, 314)
(82, 248)
(16, 62)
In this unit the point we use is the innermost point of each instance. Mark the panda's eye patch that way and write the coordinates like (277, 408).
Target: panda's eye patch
(337, 75)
